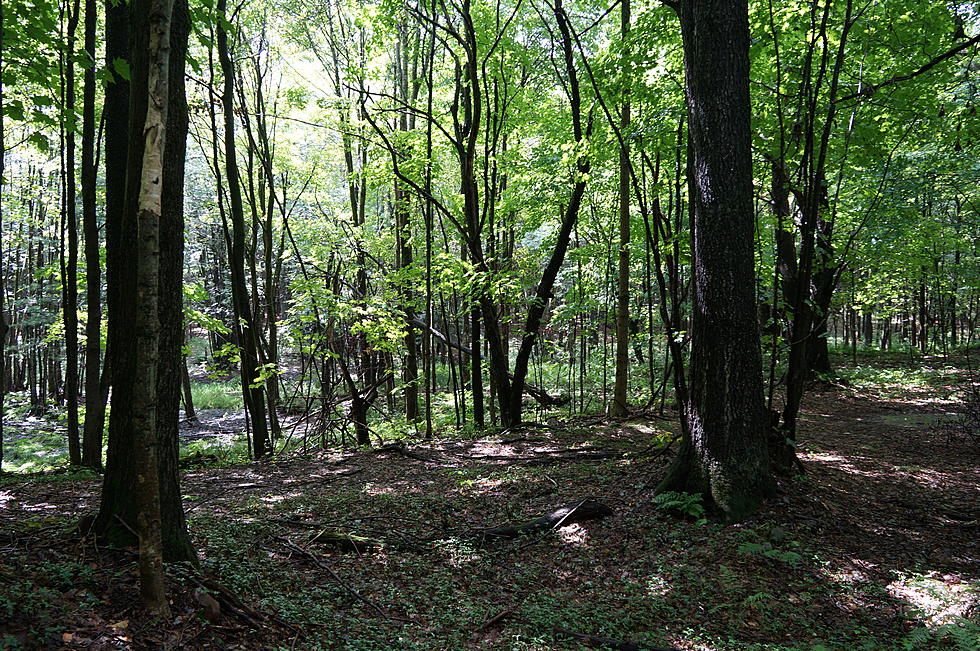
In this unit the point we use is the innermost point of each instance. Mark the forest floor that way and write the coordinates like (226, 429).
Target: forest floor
(877, 546)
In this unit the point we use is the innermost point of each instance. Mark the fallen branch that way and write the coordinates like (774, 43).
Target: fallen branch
(562, 516)
(399, 447)
(496, 619)
(346, 541)
(326, 568)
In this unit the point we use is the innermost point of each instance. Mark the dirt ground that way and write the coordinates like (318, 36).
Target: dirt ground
(876, 546)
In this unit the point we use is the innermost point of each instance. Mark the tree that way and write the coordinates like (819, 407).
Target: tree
(148, 326)
(621, 388)
(252, 388)
(94, 400)
(723, 454)
(127, 34)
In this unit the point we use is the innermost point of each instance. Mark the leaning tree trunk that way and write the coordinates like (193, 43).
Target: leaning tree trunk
(723, 455)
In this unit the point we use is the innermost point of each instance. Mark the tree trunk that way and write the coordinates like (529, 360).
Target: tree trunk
(126, 105)
(4, 324)
(94, 405)
(724, 455)
(69, 258)
(252, 389)
(620, 390)
(148, 327)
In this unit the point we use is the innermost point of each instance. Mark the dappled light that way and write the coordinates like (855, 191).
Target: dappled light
(496, 325)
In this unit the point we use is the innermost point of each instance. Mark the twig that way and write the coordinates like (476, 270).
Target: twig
(323, 566)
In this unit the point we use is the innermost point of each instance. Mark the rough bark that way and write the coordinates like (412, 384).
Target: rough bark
(126, 38)
(144, 408)
(723, 456)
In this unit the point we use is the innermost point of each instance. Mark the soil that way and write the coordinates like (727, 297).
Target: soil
(875, 544)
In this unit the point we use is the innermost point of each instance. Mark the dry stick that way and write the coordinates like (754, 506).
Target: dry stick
(323, 566)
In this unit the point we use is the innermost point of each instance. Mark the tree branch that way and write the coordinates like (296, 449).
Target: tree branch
(872, 89)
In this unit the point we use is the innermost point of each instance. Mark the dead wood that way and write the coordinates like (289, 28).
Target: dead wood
(562, 516)
(399, 447)
(346, 541)
(323, 566)
(547, 458)
(597, 642)
(227, 601)
(496, 619)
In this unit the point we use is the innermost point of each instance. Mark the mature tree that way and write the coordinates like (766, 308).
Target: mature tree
(148, 322)
(127, 34)
(723, 454)
(246, 323)
(621, 388)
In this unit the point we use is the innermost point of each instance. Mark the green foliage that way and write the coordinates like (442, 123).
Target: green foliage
(767, 550)
(216, 394)
(689, 504)
(961, 634)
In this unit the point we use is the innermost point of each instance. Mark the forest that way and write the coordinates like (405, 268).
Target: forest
(471, 324)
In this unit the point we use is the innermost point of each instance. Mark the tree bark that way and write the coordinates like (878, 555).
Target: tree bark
(69, 225)
(252, 389)
(148, 330)
(127, 31)
(724, 455)
(94, 405)
(620, 406)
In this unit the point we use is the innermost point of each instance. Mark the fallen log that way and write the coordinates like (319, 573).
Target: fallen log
(562, 516)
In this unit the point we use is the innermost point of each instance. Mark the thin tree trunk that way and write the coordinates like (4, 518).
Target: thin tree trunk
(69, 268)
(620, 390)
(94, 405)
(252, 389)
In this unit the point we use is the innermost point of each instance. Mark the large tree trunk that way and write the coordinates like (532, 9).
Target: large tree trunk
(724, 455)
(126, 37)
(144, 408)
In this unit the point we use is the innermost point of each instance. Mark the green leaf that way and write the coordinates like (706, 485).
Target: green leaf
(121, 66)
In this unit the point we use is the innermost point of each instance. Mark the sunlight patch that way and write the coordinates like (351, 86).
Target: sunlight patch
(574, 534)
(938, 598)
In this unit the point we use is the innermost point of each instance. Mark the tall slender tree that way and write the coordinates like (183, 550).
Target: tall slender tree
(621, 387)
(94, 404)
(252, 386)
